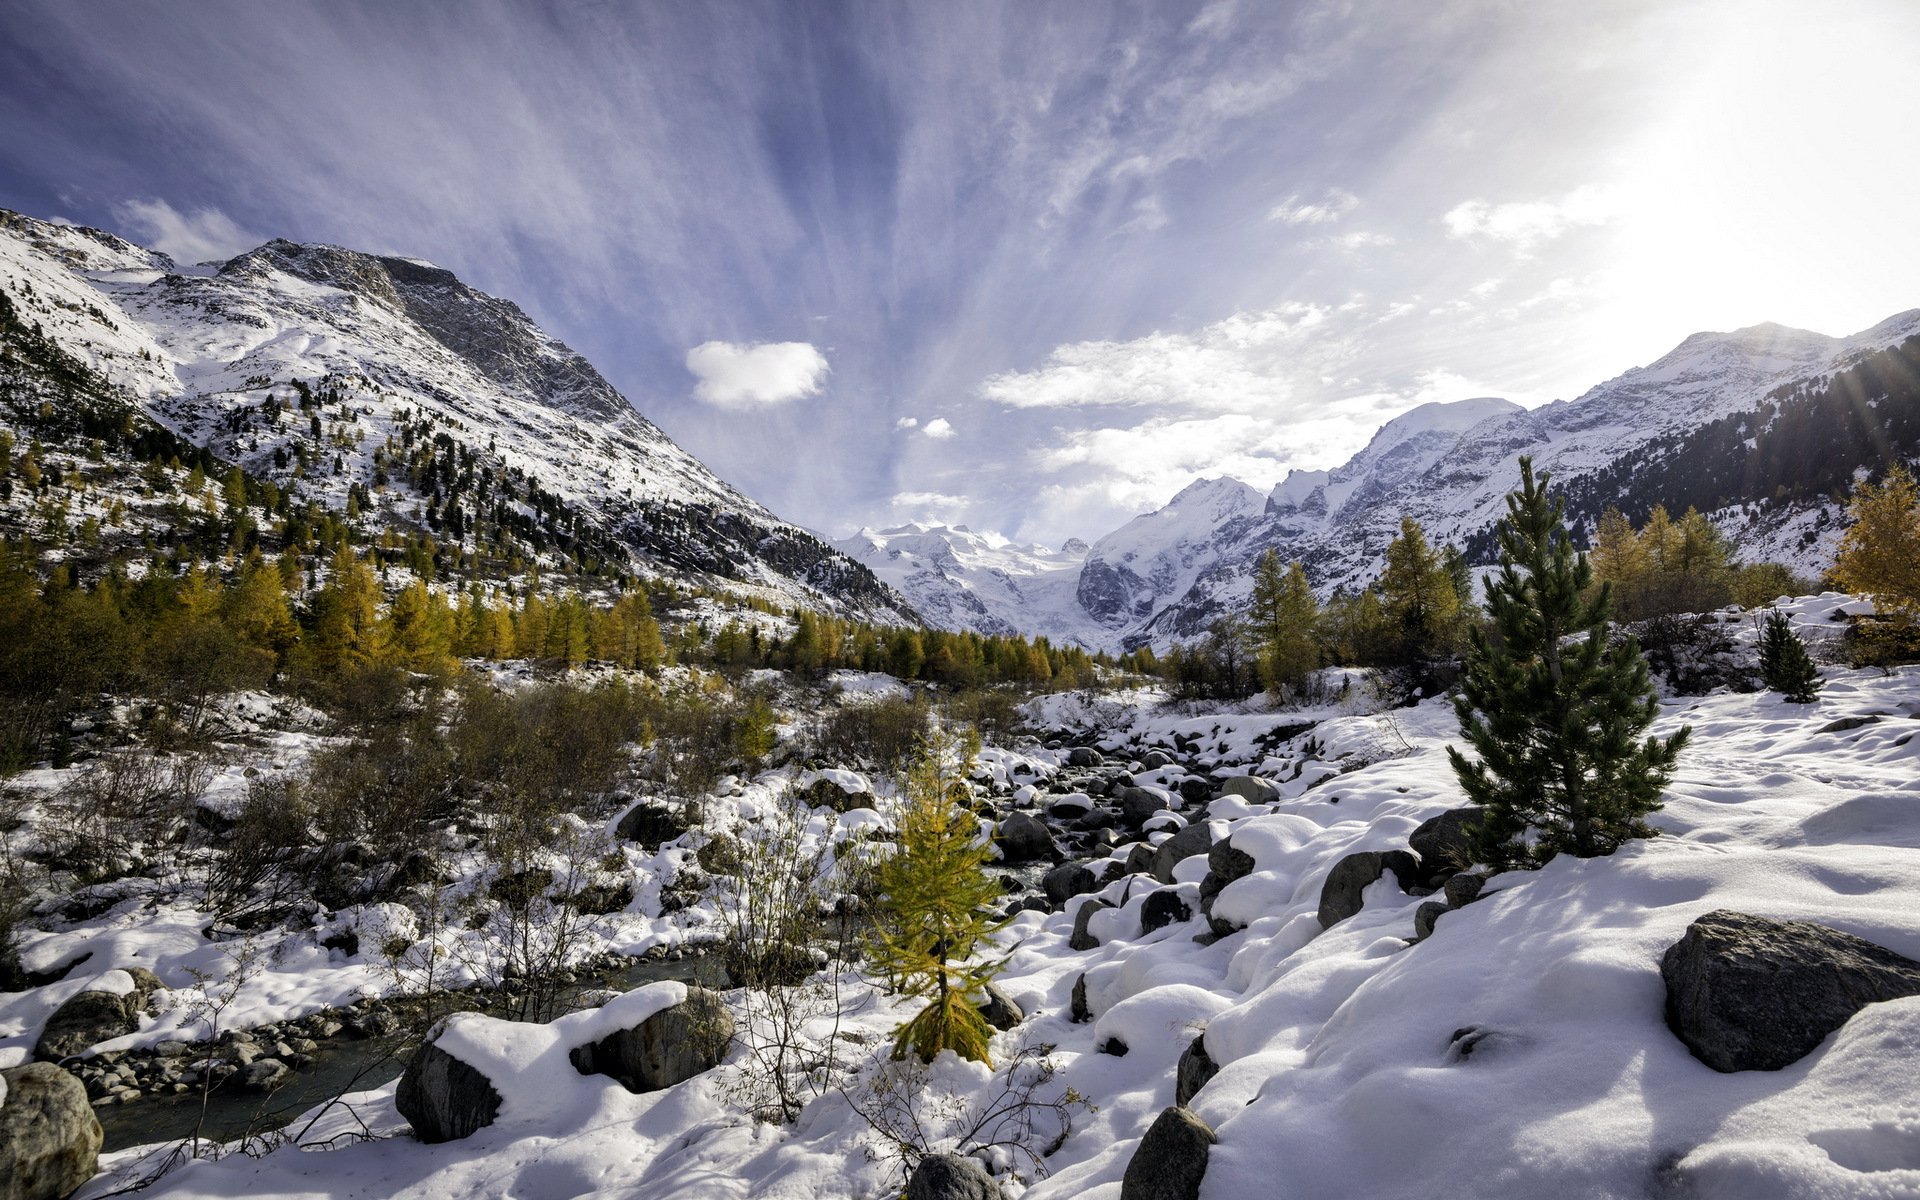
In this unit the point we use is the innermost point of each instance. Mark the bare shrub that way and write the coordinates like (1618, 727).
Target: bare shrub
(121, 805)
(262, 868)
(882, 734)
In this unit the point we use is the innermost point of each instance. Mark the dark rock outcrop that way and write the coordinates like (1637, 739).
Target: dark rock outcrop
(1352, 875)
(1082, 938)
(1196, 1067)
(1022, 839)
(444, 1099)
(1000, 1010)
(669, 1047)
(951, 1177)
(1749, 993)
(1163, 907)
(1171, 1160)
(89, 1018)
(649, 824)
(1196, 838)
(1065, 882)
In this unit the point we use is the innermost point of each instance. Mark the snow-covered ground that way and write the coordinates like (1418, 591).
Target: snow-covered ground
(1519, 1052)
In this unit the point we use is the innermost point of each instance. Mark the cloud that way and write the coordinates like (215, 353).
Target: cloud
(1362, 239)
(1242, 361)
(203, 235)
(734, 375)
(1525, 224)
(907, 423)
(939, 427)
(1331, 207)
(928, 508)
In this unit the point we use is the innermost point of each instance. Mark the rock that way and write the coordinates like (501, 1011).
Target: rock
(1065, 882)
(264, 1075)
(88, 1018)
(1194, 839)
(1443, 843)
(1113, 1046)
(1425, 916)
(951, 1177)
(1139, 859)
(1251, 789)
(1228, 863)
(1082, 939)
(1000, 1010)
(1023, 839)
(1194, 1070)
(1340, 895)
(374, 1023)
(1137, 805)
(1077, 1009)
(1194, 790)
(1406, 871)
(49, 1137)
(442, 1098)
(1749, 993)
(1846, 723)
(1164, 907)
(671, 1046)
(1463, 889)
(1085, 756)
(1156, 760)
(1171, 1160)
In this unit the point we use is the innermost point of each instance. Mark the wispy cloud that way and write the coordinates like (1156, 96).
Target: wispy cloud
(1525, 224)
(1330, 207)
(737, 376)
(202, 235)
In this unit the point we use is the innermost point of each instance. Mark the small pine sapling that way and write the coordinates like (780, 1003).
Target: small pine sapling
(934, 914)
(1554, 721)
(1785, 666)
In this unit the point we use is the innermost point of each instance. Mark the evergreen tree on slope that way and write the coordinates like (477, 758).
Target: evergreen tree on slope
(1555, 724)
(1784, 664)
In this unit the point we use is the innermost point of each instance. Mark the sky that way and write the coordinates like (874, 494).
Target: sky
(1032, 267)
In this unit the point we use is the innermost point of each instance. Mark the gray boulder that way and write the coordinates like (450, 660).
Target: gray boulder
(1196, 1067)
(1000, 1010)
(1163, 907)
(1194, 839)
(89, 1018)
(49, 1137)
(1443, 843)
(1078, 1010)
(1352, 875)
(444, 1099)
(1081, 938)
(669, 1047)
(1137, 805)
(1023, 839)
(1224, 866)
(1139, 859)
(1155, 760)
(1463, 889)
(1171, 1160)
(1749, 993)
(1426, 916)
(1251, 789)
(1063, 883)
(951, 1177)
(264, 1075)
(1195, 790)
(1085, 756)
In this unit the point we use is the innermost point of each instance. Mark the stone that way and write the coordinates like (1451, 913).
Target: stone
(264, 1075)
(1463, 889)
(1194, 839)
(1352, 875)
(1846, 723)
(1426, 916)
(374, 1023)
(1443, 843)
(1195, 1068)
(1000, 1010)
(442, 1098)
(1022, 839)
(1085, 756)
(1137, 805)
(1164, 907)
(1171, 1160)
(951, 1177)
(1195, 790)
(1063, 883)
(1139, 859)
(1078, 1011)
(1070, 806)
(1156, 760)
(669, 1047)
(88, 1018)
(1749, 993)
(1082, 938)
(49, 1137)
(1406, 871)
(1251, 789)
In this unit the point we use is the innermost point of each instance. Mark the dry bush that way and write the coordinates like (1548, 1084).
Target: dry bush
(882, 734)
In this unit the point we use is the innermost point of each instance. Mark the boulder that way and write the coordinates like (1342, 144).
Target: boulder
(1195, 790)
(1407, 872)
(442, 1098)
(1426, 916)
(1063, 883)
(49, 1137)
(1194, 1070)
(1156, 760)
(1082, 939)
(1085, 756)
(264, 1075)
(1078, 1010)
(1171, 1160)
(1164, 907)
(1139, 859)
(649, 824)
(1463, 889)
(1194, 839)
(1443, 843)
(669, 1047)
(1137, 805)
(1070, 806)
(89, 1018)
(1251, 789)
(1023, 839)
(951, 1177)
(1340, 895)
(1000, 1010)
(1224, 865)
(1749, 993)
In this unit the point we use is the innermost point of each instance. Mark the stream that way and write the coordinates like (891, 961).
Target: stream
(341, 1064)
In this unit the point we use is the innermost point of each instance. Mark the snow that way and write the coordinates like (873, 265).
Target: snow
(958, 578)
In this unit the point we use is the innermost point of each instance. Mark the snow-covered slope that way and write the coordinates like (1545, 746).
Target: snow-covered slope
(214, 353)
(958, 578)
(1160, 553)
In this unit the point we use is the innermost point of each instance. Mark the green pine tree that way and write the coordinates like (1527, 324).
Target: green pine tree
(934, 914)
(1784, 664)
(1281, 620)
(1554, 721)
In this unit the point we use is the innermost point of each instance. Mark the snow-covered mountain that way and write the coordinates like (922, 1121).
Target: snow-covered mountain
(322, 368)
(958, 578)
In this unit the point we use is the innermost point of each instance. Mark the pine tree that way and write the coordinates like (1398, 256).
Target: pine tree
(1784, 664)
(1421, 603)
(1555, 725)
(1281, 621)
(933, 914)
